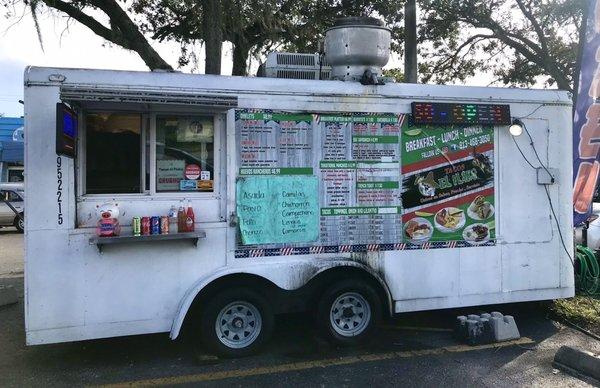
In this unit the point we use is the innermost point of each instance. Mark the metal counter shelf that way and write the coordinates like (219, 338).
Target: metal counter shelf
(191, 236)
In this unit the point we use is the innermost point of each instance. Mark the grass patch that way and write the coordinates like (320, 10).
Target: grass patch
(582, 310)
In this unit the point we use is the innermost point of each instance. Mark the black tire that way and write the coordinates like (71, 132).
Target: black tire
(325, 310)
(214, 306)
(19, 223)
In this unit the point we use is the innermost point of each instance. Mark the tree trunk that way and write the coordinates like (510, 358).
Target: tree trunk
(212, 21)
(410, 42)
(240, 57)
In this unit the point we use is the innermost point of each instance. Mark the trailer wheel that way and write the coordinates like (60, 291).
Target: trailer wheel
(348, 312)
(236, 322)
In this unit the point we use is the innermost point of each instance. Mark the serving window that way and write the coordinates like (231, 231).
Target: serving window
(184, 153)
(135, 153)
(113, 153)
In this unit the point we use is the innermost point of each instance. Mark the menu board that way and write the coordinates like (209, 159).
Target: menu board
(448, 184)
(362, 181)
(281, 209)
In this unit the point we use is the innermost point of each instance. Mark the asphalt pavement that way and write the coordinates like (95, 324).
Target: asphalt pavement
(415, 349)
(11, 252)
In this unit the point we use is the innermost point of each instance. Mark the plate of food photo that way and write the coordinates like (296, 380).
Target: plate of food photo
(476, 234)
(418, 230)
(480, 209)
(449, 219)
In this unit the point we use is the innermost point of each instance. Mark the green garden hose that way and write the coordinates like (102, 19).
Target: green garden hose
(587, 271)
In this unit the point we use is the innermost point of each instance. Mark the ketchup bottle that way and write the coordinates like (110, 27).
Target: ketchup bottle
(190, 218)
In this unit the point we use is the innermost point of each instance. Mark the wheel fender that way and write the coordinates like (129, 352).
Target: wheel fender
(285, 275)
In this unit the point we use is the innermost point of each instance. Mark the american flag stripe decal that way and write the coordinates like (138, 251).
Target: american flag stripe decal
(314, 250)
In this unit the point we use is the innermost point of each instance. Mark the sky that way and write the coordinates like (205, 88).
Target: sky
(74, 45)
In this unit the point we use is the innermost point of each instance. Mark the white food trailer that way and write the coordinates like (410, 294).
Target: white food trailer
(351, 200)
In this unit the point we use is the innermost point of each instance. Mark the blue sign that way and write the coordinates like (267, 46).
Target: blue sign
(187, 185)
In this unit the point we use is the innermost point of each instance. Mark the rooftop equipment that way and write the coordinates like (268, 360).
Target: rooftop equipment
(357, 48)
(295, 66)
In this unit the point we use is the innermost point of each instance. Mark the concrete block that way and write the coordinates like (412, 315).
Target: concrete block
(578, 363)
(8, 295)
(485, 328)
(504, 328)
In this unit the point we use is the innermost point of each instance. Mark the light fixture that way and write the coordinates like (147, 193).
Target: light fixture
(516, 129)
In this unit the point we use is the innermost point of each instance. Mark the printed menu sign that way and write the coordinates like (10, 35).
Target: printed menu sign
(168, 174)
(372, 182)
(447, 184)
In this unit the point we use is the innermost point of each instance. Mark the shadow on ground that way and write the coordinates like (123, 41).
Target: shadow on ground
(294, 339)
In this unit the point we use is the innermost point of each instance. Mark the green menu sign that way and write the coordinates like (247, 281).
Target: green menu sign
(278, 209)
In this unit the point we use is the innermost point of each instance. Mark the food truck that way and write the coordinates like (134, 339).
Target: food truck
(349, 199)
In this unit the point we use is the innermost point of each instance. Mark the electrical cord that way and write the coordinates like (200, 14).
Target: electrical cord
(536, 153)
(522, 154)
(532, 112)
(531, 143)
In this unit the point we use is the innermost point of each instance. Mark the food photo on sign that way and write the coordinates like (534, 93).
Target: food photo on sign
(448, 184)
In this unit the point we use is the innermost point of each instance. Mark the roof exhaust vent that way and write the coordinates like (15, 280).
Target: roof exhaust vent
(357, 48)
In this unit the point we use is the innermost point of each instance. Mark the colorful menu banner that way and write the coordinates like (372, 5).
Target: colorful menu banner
(368, 182)
(448, 184)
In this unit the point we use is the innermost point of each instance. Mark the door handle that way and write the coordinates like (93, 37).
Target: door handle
(233, 220)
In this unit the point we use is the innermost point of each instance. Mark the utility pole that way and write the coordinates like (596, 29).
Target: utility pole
(410, 42)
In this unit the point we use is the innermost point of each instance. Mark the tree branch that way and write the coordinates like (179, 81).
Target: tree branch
(535, 24)
(123, 31)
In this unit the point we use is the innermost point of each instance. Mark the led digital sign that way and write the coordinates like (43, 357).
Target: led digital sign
(460, 114)
(66, 130)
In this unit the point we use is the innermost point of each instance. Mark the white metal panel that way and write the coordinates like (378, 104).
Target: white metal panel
(247, 86)
(480, 271)
(205, 210)
(42, 164)
(126, 283)
(523, 203)
(418, 274)
(55, 290)
(408, 305)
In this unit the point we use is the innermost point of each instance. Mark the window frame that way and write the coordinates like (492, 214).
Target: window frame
(148, 134)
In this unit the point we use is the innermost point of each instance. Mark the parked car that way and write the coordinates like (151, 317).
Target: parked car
(14, 193)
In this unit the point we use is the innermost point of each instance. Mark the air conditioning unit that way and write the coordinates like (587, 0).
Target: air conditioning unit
(295, 66)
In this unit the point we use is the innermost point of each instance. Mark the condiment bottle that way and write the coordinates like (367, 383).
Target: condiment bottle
(181, 218)
(190, 218)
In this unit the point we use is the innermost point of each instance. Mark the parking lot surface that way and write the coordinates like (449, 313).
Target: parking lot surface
(11, 252)
(415, 349)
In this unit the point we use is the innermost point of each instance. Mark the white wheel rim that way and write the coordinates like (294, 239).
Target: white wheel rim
(21, 223)
(238, 324)
(350, 314)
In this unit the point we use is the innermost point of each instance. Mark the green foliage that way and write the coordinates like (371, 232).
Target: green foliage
(583, 310)
(259, 26)
(396, 73)
(518, 41)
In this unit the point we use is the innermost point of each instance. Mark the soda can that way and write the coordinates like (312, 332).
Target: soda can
(164, 225)
(136, 226)
(155, 225)
(145, 226)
